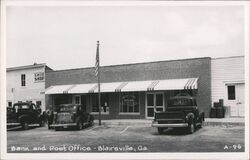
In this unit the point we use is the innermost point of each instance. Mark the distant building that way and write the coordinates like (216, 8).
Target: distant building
(27, 83)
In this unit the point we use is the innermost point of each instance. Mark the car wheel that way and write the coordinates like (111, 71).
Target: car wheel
(41, 124)
(201, 124)
(91, 122)
(191, 127)
(79, 126)
(25, 125)
(160, 130)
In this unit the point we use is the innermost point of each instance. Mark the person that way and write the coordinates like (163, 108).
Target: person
(105, 107)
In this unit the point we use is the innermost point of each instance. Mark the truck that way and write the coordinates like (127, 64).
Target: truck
(25, 115)
(182, 112)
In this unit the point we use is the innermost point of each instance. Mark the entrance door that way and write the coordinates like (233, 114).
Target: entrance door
(154, 102)
(235, 99)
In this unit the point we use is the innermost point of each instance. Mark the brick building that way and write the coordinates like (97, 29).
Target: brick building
(133, 90)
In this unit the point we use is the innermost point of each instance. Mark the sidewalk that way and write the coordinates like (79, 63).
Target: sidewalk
(146, 122)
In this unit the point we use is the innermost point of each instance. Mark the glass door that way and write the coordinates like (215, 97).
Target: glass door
(154, 102)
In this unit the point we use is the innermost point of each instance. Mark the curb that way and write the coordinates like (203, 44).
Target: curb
(148, 124)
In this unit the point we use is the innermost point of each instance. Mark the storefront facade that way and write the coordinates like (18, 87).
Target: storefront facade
(132, 91)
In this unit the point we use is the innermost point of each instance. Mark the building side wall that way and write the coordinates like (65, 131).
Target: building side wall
(32, 91)
(223, 70)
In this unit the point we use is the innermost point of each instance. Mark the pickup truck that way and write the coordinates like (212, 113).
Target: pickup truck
(182, 112)
(70, 116)
(24, 114)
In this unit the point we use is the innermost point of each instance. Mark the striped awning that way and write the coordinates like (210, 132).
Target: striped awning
(177, 84)
(58, 89)
(106, 87)
(82, 88)
(130, 86)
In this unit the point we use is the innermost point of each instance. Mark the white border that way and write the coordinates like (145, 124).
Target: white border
(176, 155)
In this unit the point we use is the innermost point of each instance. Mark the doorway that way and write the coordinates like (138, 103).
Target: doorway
(235, 99)
(154, 102)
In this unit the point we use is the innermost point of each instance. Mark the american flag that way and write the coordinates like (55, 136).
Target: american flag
(97, 60)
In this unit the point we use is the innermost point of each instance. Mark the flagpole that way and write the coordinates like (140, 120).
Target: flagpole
(99, 94)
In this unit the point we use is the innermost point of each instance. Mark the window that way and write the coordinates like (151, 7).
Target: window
(129, 102)
(104, 103)
(77, 99)
(150, 100)
(9, 104)
(231, 92)
(159, 99)
(38, 104)
(39, 76)
(22, 79)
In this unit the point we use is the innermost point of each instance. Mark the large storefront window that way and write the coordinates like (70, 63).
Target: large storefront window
(104, 103)
(129, 102)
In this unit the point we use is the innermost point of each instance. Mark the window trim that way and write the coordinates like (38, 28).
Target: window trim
(129, 113)
(234, 97)
(23, 80)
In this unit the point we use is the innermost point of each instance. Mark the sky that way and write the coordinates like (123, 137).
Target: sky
(64, 37)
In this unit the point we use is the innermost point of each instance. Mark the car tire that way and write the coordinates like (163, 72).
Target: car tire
(41, 124)
(79, 126)
(191, 127)
(160, 130)
(25, 125)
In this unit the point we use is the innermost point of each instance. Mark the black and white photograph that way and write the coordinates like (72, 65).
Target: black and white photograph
(124, 79)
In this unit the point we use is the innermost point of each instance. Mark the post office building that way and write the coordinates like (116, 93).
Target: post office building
(132, 91)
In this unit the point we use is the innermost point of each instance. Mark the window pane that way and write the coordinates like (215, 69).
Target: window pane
(159, 109)
(159, 100)
(231, 92)
(150, 100)
(150, 112)
(129, 102)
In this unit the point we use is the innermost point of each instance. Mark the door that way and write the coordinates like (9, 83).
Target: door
(235, 99)
(154, 102)
(240, 99)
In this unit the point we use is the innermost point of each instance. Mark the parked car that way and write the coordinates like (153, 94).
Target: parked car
(71, 116)
(24, 114)
(182, 112)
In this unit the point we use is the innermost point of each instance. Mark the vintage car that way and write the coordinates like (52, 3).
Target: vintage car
(24, 114)
(182, 112)
(70, 116)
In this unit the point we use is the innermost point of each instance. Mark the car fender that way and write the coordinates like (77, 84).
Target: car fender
(23, 118)
(202, 116)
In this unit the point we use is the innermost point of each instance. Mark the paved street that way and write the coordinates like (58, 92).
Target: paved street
(127, 139)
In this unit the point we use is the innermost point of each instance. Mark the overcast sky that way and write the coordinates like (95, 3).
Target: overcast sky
(65, 37)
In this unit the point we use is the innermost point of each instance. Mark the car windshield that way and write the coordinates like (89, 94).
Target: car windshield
(181, 102)
(67, 108)
(21, 106)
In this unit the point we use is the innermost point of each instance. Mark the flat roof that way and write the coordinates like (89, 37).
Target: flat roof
(129, 64)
